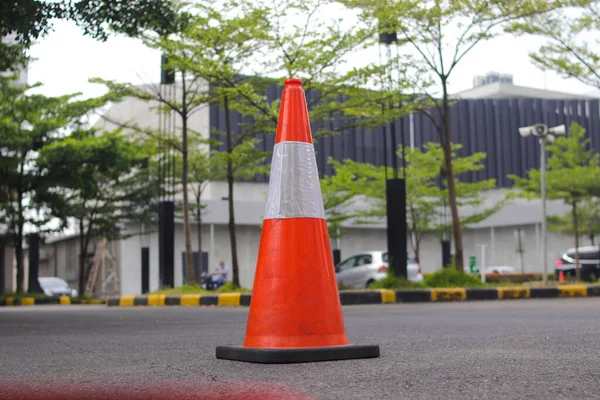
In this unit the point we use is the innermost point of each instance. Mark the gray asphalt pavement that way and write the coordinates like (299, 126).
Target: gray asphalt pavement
(542, 349)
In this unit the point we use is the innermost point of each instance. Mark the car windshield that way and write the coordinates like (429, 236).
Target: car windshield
(384, 257)
(54, 283)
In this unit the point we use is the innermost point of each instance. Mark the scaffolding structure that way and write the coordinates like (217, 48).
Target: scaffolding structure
(105, 269)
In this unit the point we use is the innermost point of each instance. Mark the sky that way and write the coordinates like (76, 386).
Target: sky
(66, 59)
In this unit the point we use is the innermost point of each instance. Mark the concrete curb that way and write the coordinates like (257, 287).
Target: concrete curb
(33, 301)
(382, 296)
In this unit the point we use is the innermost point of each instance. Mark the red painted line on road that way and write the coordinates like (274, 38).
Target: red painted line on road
(21, 390)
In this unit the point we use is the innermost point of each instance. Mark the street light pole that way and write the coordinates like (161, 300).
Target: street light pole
(544, 213)
(546, 135)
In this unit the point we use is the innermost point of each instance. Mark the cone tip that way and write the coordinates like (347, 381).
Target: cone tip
(293, 82)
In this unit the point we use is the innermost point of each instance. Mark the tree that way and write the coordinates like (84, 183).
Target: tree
(588, 220)
(293, 42)
(338, 197)
(425, 195)
(231, 47)
(207, 51)
(428, 28)
(204, 168)
(29, 123)
(101, 181)
(568, 51)
(572, 176)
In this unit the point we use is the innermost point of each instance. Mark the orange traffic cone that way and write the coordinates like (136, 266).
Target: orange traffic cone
(295, 312)
(561, 276)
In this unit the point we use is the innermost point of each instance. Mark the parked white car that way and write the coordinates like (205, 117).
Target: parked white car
(53, 286)
(360, 270)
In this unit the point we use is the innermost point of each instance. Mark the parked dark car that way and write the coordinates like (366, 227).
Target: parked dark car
(589, 261)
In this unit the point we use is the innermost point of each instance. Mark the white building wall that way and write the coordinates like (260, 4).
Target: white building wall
(129, 251)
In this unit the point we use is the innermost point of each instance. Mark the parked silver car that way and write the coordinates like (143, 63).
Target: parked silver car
(360, 270)
(53, 286)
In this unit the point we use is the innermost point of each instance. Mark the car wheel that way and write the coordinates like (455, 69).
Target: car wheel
(369, 282)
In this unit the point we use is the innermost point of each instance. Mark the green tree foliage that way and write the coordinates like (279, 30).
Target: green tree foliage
(442, 33)
(569, 49)
(338, 196)
(425, 196)
(588, 221)
(204, 168)
(208, 53)
(573, 176)
(307, 40)
(29, 123)
(101, 182)
(29, 20)
(32, 19)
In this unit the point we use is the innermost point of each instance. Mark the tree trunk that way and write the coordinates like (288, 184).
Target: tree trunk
(18, 232)
(232, 234)
(18, 243)
(447, 146)
(189, 260)
(592, 239)
(199, 230)
(82, 257)
(576, 233)
(189, 257)
(417, 249)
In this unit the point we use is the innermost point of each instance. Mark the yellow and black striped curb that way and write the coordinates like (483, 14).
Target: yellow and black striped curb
(221, 299)
(371, 296)
(34, 301)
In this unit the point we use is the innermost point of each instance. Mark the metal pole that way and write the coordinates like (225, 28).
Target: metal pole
(483, 266)
(544, 228)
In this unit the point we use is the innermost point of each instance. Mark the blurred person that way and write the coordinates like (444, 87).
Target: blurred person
(220, 275)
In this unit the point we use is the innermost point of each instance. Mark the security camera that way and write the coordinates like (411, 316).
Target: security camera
(550, 139)
(559, 130)
(526, 131)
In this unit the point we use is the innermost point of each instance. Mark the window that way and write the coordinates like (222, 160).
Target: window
(364, 259)
(591, 255)
(346, 264)
(584, 255)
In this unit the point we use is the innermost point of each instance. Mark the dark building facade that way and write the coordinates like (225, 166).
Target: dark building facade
(480, 125)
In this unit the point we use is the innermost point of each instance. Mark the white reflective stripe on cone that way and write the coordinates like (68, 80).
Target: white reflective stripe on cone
(294, 190)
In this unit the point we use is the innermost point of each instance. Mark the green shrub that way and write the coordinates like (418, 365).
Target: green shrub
(22, 294)
(393, 282)
(197, 289)
(450, 277)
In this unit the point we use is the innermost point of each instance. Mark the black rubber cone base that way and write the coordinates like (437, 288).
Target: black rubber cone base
(297, 355)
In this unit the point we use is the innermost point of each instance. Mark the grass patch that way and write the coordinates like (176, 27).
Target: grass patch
(197, 289)
(20, 295)
(452, 278)
(393, 282)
